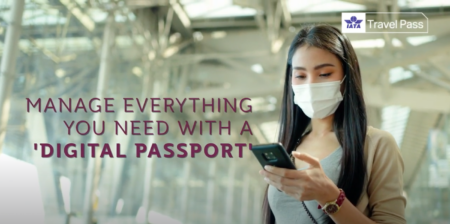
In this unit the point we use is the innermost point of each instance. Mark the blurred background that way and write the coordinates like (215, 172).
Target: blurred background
(205, 48)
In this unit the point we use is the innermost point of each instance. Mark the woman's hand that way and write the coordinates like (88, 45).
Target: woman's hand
(303, 185)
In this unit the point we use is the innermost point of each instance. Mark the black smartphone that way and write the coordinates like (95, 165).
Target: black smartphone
(272, 154)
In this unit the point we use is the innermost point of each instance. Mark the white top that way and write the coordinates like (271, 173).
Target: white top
(20, 194)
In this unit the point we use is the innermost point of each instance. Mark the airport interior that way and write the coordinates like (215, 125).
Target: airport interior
(228, 49)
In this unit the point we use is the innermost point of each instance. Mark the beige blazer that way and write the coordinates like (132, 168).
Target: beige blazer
(383, 200)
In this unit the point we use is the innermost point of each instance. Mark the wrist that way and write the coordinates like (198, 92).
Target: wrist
(331, 207)
(330, 195)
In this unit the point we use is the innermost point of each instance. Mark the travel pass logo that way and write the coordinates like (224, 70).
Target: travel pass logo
(353, 22)
(395, 22)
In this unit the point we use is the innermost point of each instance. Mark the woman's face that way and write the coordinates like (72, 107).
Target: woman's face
(315, 65)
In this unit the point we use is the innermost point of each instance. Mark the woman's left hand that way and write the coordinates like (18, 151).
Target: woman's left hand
(304, 185)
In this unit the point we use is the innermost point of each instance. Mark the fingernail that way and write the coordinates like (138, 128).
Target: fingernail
(267, 167)
(265, 179)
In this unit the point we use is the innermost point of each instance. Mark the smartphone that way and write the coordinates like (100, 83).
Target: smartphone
(272, 154)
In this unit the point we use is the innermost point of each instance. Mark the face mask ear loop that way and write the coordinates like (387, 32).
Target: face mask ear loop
(345, 90)
(343, 79)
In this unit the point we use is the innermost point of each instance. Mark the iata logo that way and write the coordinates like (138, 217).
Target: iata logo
(353, 23)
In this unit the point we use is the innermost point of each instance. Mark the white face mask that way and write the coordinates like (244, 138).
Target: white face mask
(318, 100)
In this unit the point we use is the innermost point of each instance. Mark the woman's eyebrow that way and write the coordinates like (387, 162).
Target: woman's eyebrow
(315, 68)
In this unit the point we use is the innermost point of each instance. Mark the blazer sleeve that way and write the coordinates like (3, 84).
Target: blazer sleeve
(385, 187)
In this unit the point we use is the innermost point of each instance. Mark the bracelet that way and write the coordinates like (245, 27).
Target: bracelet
(333, 206)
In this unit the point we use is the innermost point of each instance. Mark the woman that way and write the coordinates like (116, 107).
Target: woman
(347, 172)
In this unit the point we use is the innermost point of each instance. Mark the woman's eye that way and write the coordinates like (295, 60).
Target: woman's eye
(325, 75)
(300, 76)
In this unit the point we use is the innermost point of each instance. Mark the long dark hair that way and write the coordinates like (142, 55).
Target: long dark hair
(350, 120)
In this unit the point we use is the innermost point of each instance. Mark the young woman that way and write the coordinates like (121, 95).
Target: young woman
(348, 173)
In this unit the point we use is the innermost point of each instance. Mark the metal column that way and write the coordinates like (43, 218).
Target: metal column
(94, 163)
(112, 171)
(8, 64)
(244, 200)
(148, 171)
(185, 190)
(149, 162)
(210, 191)
(230, 192)
(257, 203)
(37, 133)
